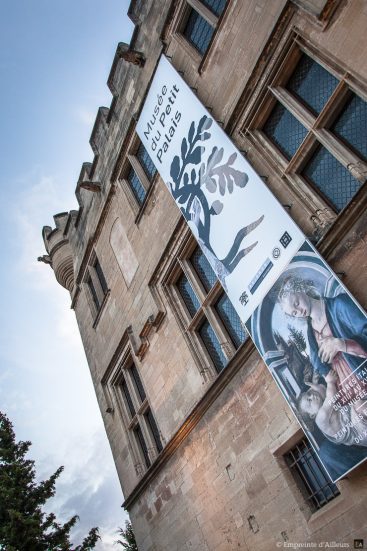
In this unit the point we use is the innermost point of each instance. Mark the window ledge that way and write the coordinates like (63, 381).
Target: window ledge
(101, 309)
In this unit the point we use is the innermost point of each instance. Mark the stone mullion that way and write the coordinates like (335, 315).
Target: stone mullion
(205, 12)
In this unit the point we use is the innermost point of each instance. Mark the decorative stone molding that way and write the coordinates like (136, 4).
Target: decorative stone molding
(322, 219)
(131, 56)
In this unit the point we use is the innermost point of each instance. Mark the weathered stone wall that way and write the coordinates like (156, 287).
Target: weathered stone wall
(226, 489)
(226, 485)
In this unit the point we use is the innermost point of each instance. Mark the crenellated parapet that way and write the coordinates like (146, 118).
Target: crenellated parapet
(68, 243)
(59, 252)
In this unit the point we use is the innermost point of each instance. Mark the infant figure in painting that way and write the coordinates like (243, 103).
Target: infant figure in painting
(340, 424)
(336, 333)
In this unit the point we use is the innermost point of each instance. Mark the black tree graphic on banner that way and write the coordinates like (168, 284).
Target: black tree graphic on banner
(216, 176)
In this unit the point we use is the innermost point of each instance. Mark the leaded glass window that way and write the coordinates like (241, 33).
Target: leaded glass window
(321, 150)
(213, 326)
(308, 471)
(351, 126)
(146, 162)
(136, 186)
(212, 345)
(139, 421)
(331, 178)
(198, 31)
(188, 295)
(231, 320)
(203, 269)
(285, 130)
(312, 83)
(216, 6)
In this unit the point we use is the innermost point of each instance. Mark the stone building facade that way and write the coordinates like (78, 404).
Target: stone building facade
(208, 454)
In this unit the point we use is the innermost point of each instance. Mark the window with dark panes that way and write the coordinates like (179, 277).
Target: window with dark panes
(135, 409)
(142, 444)
(137, 382)
(313, 480)
(146, 162)
(201, 20)
(212, 345)
(319, 125)
(211, 319)
(127, 397)
(96, 284)
(231, 320)
(136, 186)
(154, 429)
(139, 172)
(93, 292)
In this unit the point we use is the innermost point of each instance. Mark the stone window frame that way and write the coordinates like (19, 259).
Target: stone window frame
(179, 263)
(270, 90)
(131, 161)
(179, 21)
(96, 287)
(314, 518)
(117, 401)
(301, 475)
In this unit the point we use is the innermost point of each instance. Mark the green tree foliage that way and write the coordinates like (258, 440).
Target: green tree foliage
(23, 524)
(128, 542)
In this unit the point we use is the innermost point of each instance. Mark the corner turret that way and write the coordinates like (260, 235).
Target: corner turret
(59, 253)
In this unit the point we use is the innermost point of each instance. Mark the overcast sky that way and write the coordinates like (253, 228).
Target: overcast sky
(55, 57)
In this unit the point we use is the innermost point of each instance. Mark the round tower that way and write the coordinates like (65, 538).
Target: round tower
(59, 253)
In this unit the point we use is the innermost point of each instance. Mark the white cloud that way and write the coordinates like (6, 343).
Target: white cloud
(42, 196)
(85, 116)
(46, 386)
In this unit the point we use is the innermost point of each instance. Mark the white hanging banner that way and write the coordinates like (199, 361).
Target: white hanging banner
(309, 330)
(244, 232)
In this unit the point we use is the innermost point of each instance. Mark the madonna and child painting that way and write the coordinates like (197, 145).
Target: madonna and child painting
(313, 337)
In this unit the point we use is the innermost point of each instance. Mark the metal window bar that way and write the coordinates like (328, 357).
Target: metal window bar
(137, 381)
(318, 487)
(127, 396)
(101, 277)
(142, 445)
(153, 429)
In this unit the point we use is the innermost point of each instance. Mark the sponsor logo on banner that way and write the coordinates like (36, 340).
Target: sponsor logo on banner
(309, 330)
